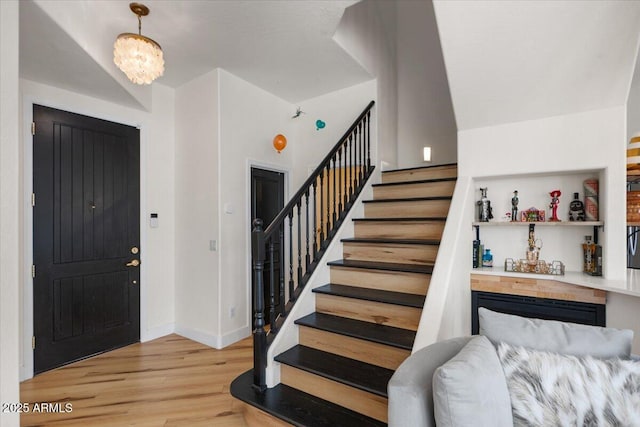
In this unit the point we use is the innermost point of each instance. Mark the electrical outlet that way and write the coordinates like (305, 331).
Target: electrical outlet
(232, 311)
(213, 245)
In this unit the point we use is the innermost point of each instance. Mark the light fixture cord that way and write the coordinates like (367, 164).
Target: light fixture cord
(139, 25)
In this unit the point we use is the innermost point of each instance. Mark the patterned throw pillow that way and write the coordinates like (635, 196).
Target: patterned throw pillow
(549, 389)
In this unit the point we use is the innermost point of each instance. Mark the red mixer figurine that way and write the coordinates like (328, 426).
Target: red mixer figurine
(555, 201)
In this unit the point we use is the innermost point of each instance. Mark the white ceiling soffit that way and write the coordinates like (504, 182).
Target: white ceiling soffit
(284, 47)
(509, 61)
(50, 55)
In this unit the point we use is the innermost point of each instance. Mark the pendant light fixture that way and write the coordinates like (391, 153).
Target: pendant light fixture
(139, 57)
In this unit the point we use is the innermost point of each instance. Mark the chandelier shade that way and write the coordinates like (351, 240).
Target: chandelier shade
(139, 57)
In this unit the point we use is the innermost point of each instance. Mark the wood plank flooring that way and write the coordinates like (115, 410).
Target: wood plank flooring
(171, 381)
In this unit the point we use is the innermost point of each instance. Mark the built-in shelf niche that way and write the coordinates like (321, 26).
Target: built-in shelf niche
(561, 241)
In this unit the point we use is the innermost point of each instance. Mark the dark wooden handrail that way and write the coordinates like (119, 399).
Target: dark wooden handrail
(314, 175)
(329, 193)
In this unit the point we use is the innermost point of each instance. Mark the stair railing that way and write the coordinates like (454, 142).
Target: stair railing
(299, 235)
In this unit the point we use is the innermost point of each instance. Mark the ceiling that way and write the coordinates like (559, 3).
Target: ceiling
(509, 61)
(506, 61)
(284, 47)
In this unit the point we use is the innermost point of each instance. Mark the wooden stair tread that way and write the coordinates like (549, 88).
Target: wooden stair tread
(354, 373)
(373, 265)
(416, 219)
(422, 167)
(420, 181)
(377, 295)
(297, 407)
(392, 241)
(382, 334)
(409, 199)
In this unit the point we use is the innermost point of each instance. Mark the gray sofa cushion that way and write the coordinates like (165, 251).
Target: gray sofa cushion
(471, 390)
(553, 336)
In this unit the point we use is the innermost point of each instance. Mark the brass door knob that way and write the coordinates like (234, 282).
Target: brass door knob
(133, 263)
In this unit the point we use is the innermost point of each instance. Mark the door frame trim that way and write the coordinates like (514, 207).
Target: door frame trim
(253, 163)
(26, 331)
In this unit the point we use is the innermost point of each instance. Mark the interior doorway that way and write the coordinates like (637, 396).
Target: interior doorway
(86, 236)
(267, 200)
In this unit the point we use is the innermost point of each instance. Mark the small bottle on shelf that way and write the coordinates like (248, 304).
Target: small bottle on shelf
(592, 257)
(487, 258)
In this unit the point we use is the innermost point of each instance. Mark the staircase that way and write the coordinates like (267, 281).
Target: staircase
(366, 318)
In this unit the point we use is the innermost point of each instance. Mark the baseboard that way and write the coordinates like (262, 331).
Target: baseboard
(157, 332)
(234, 336)
(215, 341)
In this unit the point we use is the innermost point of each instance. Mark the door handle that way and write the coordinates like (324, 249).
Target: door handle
(133, 263)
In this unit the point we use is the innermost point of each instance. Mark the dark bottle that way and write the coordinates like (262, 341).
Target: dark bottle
(576, 209)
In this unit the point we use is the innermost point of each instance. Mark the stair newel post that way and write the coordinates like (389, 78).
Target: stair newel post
(368, 119)
(292, 295)
(259, 334)
(307, 230)
(299, 205)
(272, 287)
(335, 191)
(281, 269)
(315, 221)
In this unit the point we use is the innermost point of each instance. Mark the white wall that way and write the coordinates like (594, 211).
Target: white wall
(249, 119)
(425, 112)
(197, 190)
(338, 110)
(583, 141)
(365, 36)
(10, 241)
(633, 101)
(156, 195)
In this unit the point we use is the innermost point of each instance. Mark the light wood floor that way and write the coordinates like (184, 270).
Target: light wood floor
(171, 381)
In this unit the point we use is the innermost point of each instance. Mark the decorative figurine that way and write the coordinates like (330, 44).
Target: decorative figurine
(514, 207)
(532, 215)
(484, 207)
(576, 209)
(555, 201)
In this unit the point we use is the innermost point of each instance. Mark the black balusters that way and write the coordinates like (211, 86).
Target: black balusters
(333, 186)
(315, 220)
(272, 285)
(335, 190)
(360, 127)
(281, 270)
(299, 246)
(307, 258)
(292, 295)
(367, 120)
(341, 181)
(321, 212)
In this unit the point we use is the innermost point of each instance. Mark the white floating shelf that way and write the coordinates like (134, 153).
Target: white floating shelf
(540, 223)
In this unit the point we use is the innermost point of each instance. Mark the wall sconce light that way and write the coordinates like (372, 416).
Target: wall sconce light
(426, 154)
